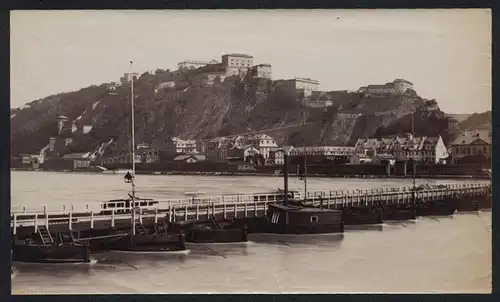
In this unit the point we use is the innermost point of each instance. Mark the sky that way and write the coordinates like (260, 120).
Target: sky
(446, 54)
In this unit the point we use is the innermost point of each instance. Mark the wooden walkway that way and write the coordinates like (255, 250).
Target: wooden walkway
(237, 206)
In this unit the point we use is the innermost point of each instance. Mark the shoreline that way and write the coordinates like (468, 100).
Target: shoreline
(196, 173)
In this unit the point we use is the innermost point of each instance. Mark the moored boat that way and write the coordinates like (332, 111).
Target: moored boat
(211, 231)
(47, 250)
(139, 238)
(398, 212)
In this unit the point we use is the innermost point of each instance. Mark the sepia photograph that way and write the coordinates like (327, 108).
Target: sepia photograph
(251, 151)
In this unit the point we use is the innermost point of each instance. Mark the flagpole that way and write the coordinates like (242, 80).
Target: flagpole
(133, 144)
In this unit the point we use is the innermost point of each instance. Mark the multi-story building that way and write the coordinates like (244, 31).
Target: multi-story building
(191, 64)
(263, 142)
(300, 85)
(398, 86)
(421, 149)
(468, 145)
(80, 160)
(217, 149)
(261, 71)
(237, 64)
(323, 150)
(178, 145)
(237, 152)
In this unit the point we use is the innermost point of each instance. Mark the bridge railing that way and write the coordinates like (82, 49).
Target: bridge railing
(431, 191)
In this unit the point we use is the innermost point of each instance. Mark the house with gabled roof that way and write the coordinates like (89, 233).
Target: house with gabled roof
(468, 145)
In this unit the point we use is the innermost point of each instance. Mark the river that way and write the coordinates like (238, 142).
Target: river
(451, 254)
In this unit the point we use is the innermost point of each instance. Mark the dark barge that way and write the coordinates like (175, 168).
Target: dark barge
(42, 248)
(211, 231)
(293, 217)
(156, 238)
(361, 215)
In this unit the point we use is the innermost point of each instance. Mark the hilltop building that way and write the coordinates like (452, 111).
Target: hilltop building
(261, 71)
(190, 64)
(303, 86)
(398, 86)
(237, 64)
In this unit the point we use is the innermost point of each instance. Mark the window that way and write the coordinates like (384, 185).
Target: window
(276, 217)
(314, 219)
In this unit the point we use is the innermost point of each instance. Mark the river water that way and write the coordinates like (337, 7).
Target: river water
(451, 254)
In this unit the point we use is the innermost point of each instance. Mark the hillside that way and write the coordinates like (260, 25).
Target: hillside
(192, 110)
(476, 121)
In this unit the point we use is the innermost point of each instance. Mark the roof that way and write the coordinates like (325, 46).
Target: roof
(238, 55)
(401, 80)
(388, 85)
(469, 139)
(295, 208)
(76, 156)
(186, 156)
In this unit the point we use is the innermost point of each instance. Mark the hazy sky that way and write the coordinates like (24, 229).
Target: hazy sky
(445, 53)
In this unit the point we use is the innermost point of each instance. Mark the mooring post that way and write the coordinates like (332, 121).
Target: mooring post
(46, 217)
(36, 223)
(14, 224)
(113, 218)
(91, 219)
(70, 221)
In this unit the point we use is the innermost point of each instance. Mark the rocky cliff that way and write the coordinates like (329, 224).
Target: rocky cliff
(189, 109)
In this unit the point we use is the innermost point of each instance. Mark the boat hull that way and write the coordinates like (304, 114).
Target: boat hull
(397, 214)
(148, 243)
(362, 218)
(217, 235)
(273, 228)
(435, 210)
(50, 253)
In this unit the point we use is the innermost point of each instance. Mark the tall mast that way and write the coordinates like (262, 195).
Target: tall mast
(132, 110)
(305, 151)
(414, 151)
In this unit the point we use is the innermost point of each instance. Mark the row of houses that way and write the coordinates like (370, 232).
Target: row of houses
(431, 150)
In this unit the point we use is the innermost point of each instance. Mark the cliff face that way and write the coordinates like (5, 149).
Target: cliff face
(192, 110)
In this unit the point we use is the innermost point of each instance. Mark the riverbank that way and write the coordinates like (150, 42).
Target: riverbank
(196, 173)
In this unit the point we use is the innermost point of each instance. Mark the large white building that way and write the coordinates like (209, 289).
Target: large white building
(300, 85)
(398, 86)
(178, 145)
(263, 142)
(237, 64)
(261, 71)
(190, 64)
